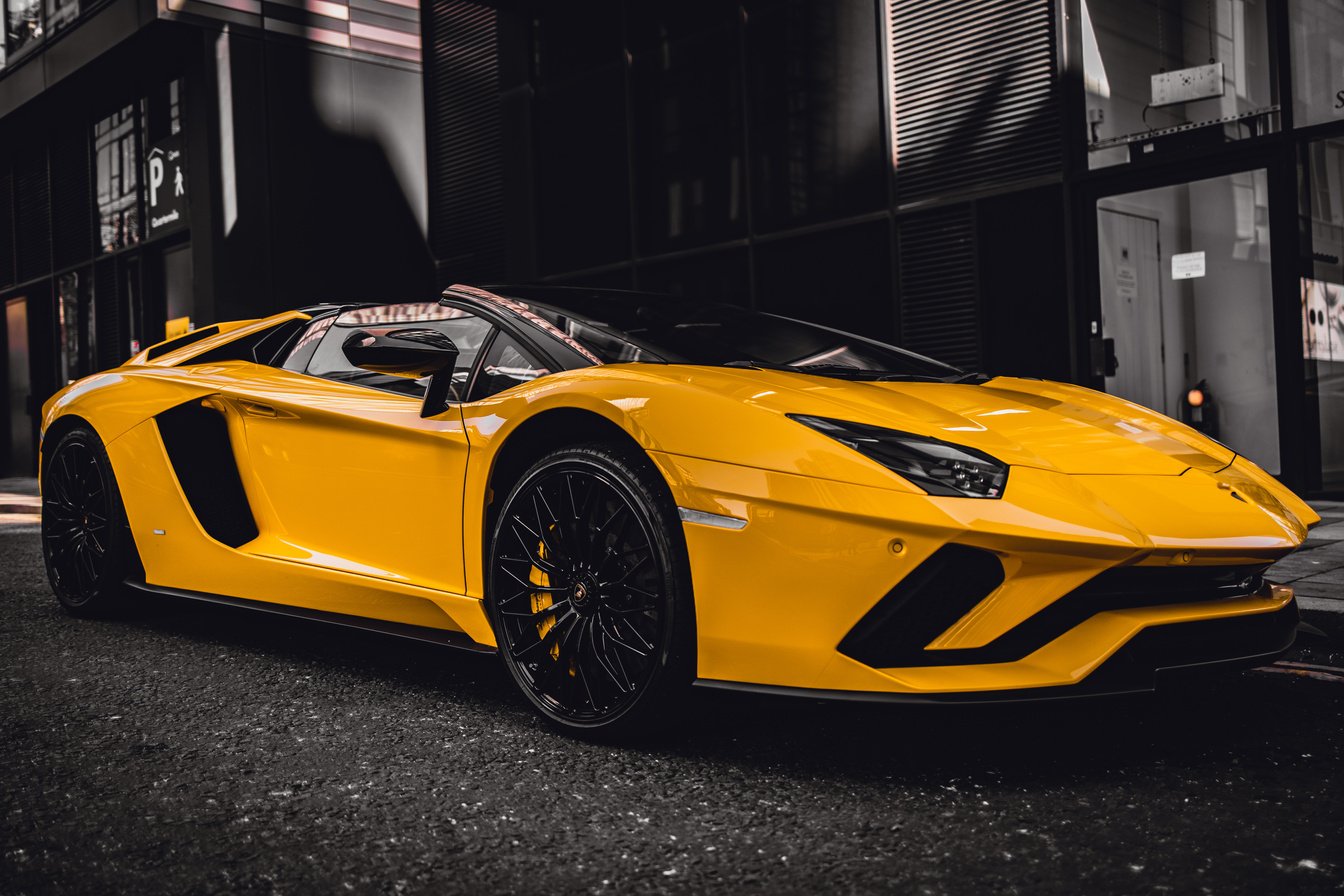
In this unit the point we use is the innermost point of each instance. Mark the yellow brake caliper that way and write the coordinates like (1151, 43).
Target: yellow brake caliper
(542, 600)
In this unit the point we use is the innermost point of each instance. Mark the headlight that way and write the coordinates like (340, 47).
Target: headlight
(940, 468)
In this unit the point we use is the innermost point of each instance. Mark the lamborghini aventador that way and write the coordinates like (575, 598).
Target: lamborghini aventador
(625, 494)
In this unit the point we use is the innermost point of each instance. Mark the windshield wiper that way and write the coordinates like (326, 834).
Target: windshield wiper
(909, 378)
(759, 365)
(974, 378)
(843, 371)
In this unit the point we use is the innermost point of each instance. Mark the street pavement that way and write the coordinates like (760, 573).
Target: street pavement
(198, 749)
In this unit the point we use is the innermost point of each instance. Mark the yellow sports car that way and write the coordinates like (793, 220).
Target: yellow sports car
(626, 494)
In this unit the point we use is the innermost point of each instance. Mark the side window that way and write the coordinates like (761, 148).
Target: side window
(506, 364)
(302, 351)
(327, 360)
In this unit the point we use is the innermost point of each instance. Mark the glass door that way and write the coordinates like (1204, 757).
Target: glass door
(1322, 294)
(1187, 307)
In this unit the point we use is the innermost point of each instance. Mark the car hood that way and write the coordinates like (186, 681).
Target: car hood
(1022, 422)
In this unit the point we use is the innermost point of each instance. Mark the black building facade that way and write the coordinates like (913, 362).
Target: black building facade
(173, 163)
(1143, 196)
(747, 151)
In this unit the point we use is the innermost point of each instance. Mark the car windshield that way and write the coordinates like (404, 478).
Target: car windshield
(624, 327)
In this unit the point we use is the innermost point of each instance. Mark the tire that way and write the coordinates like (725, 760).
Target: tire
(588, 589)
(86, 542)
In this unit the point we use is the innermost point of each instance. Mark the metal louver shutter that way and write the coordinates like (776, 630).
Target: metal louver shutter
(110, 325)
(466, 182)
(973, 94)
(939, 317)
(71, 199)
(32, 214)
(6, 227)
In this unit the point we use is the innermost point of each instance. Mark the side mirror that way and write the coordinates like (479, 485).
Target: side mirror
(412, 353)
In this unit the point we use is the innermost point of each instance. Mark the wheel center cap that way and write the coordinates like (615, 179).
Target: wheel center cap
(580, 593)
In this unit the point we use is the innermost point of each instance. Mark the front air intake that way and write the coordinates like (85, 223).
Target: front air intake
(945, 587)
(922, 606)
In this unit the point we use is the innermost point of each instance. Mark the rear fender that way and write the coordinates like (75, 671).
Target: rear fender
(116, 401)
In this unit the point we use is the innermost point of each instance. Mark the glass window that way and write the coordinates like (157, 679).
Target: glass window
(815, 111)
(567, 46)
(161, 111)
(301, 352)
(688, 123)
(580, 119)
(621, 327)
(583, 181)
(72, 310)
(1317, 38)
(23, 24)
(722, 276)
(118, 185)
(61, 13)
(506, 364)
(319, 351)
(841, 278)
(1224, 91)
(1322, 290)
(1186, 300)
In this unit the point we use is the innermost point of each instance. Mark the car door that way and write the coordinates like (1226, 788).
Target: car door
(342, 470)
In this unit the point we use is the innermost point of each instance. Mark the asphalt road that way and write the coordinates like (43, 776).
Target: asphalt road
(204, 749)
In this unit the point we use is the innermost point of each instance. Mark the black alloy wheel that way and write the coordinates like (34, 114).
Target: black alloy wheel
(589, 591)
(85, 539)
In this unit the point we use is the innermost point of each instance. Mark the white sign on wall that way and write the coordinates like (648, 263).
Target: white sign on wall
(1187, 265)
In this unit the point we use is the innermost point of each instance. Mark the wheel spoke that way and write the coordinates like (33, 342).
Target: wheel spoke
(597, 655)
(531, 614)
(529, 585)
(540, 563)
(84, 565)
(546, 529)
(614, 634)
(583, 517)
(545, 639)
(587, 689)
(629, 571)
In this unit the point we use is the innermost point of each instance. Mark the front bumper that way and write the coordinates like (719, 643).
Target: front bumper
(776, 599)
(1220, 645)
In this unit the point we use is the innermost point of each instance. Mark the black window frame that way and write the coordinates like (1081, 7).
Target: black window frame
(531, 337)
(496, 320)
(489, 346)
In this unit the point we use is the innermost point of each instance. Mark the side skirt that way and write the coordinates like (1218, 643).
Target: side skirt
(458, 640)
(1021, 695)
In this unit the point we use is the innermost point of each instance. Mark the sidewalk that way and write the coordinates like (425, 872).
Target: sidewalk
(19, 507)
(1316, 572)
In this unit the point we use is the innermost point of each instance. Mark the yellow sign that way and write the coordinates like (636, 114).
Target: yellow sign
(178, 326)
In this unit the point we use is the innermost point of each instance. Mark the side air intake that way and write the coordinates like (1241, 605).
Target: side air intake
(197, 441)
(185, 339)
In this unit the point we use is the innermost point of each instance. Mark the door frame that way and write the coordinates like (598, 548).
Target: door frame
(1278, 156)
(1161, 304)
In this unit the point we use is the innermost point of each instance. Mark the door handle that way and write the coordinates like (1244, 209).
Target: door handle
(258, 409)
